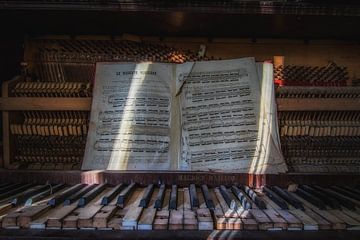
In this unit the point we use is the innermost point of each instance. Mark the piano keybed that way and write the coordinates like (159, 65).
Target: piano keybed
(163, 207)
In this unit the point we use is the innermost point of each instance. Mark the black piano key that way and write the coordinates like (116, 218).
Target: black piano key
(16, 190)
(91, 195)
(125, 194)
(256, 199)
(208, 200)
(241, 196)
(21, 198)
(72, 198)
(275, 198)
(310, 198)
(146, 196)
(4, 185)
(287, 197)
(193, 196)
(160, 197)
(10, 188)
(61, 196)
(173, 197)
(112, 194)
(228, 198)
(343, 201)
(353, 190)
(326, 199)
(345, 192)
(50, 190)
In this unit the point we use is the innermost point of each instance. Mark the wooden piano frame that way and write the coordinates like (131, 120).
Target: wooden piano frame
(181, 178)
(301, 52)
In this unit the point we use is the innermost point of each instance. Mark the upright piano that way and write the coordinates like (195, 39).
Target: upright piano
(49, 54)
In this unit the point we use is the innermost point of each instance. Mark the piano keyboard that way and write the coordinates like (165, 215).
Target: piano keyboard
(160, 207)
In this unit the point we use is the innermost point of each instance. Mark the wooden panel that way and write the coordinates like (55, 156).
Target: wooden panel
(44, 104)
(6, 123)
(5, 160)
(182, 178)
(31, 234)
(312, 104)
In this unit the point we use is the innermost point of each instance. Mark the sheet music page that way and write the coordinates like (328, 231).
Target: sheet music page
(130, 117)
(219, 114)
(270, 158)
(213, 115)
(220, 104)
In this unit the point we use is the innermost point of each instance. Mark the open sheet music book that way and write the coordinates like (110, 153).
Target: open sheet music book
(211, 115)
